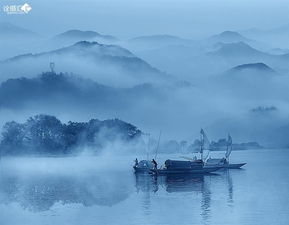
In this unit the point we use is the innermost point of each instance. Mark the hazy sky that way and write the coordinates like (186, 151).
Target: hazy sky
(126, 18)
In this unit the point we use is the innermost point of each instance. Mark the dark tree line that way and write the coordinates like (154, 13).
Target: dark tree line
(44, 134)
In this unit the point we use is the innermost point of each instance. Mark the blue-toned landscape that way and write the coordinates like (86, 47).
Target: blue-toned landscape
(90, 91)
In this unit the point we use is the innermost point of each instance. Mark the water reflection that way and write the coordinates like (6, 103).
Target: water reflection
(201, 185)
(206, 202)
(38, 189)
(232, 197)
(229, 180)
(146, 182)
(171, 183)
(41, 192)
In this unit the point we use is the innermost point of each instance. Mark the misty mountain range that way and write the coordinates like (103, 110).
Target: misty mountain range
(211, 59)
(94, 60)
(156, 81)
(278, 34)
(231, 46)
(241, 52)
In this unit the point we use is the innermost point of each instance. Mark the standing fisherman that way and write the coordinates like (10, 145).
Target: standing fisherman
(155, 164)
(135, 162)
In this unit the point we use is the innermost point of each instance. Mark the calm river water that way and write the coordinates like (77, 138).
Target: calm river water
(104, 190)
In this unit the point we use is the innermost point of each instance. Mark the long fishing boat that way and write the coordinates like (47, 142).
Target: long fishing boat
(183, 167)
(191, 166)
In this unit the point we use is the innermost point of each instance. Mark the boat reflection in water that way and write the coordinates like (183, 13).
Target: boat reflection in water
(201, 186)
(186, 183)
(172, 182)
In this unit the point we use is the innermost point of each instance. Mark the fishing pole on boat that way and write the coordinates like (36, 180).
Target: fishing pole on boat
(147, 144)
(158, 145)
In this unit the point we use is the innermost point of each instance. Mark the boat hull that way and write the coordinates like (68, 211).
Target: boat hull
(228, 166)
(141, 170)
(144, 166)
(184, 171)
(234, 166)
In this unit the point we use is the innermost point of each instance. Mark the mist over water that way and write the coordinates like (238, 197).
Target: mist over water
(89, 190)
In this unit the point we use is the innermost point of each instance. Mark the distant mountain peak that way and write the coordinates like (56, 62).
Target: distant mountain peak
(237, 48)
(229, 37)
(79, 33)
(97, 48)
(254, 66)
(237, 44)
(75, 34)
(86, 43)
(230, 34)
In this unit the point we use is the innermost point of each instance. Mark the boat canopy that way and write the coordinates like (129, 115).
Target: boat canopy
(179, 164)
(215, 161)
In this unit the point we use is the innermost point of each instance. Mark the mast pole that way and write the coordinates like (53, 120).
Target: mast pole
(52, 66)
(202, 143)
(229, 147)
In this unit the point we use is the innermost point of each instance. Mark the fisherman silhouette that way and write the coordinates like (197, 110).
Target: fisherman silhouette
(155, 164)
(136, 162)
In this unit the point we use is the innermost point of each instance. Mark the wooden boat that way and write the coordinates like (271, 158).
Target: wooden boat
(183, 167)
